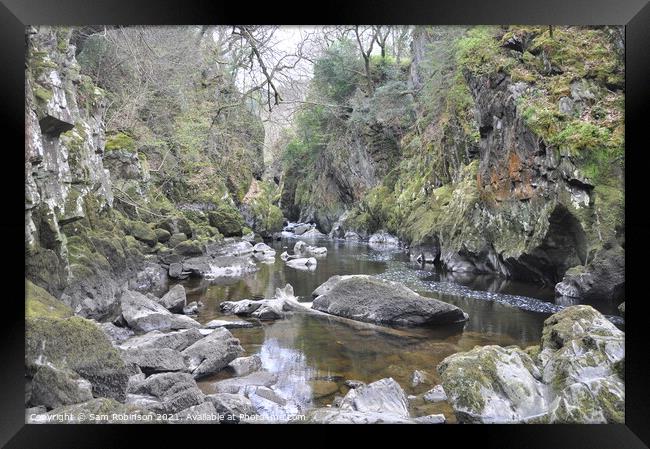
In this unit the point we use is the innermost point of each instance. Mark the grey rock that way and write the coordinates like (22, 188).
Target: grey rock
(183, 322)
(382, 396)
(420, 378)
(115, 333)
(354, 383)
(231, 404)
(176, 270)
(234, 385)
(365, 298)
(174, 300)
(431, 419)
(383, 238)
(178, 340)
(246, 365)
(328, 415)
(235, 324)
(436, 394)
(212, 353)
(155, 360)
(54, 387)
(191, 309)
(152, 278)
(574, 376)
(143, 314)
(303, 263)
(166, 393)
(300, 229)
(229, 248)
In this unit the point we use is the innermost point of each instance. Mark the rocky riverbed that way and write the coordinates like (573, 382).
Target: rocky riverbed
(181, 356)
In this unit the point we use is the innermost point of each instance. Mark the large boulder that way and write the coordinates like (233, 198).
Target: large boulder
(80, 345)
(300, 228)
(39, 303)
(366, 298)
(142, 314)
(212, 353)
(574, 376)
(174, 300)
(175, 225)
(54, 387)
(227, 220)
(603, 279)
(491, 384)
(166, 393)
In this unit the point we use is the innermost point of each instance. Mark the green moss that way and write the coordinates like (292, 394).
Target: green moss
(78, 344)
(39, 303)
(479, 51)
(143, 232)
(42, 93)
(120, 141)
(227, 220)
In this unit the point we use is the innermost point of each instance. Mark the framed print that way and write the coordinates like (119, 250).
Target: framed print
(383, 214)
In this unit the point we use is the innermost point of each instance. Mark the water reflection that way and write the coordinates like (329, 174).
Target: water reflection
(302, 349)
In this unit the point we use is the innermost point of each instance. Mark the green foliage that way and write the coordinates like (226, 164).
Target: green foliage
(479, 51)
(338, 71)
(120, 141)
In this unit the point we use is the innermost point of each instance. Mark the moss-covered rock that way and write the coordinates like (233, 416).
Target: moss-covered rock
(120, 141)
(141, 231)
(189, 248)
(176, 224)
(39, 303)
(574, 376)
(162, 235)
(54, 387)
(79, 345)
(227, 220)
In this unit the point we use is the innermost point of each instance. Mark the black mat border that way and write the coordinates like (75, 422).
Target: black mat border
(635, 14)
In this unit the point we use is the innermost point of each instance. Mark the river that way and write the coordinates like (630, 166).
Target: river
(313, 356)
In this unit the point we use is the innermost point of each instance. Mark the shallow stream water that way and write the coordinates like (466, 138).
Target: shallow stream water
(313, 356)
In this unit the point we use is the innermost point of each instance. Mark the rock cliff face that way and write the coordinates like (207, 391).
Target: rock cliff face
(64, 145)
(96, 220)
(514, 163)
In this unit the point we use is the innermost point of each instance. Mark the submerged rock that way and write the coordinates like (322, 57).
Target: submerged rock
(366, 298)
(574, 376)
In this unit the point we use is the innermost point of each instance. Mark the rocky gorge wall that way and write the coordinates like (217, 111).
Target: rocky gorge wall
(96, 220)
(514, 163)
